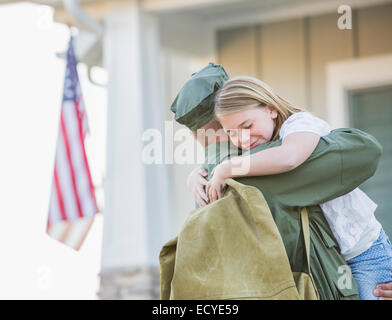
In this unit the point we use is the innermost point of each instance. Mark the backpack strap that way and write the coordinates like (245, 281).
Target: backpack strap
(306, 232)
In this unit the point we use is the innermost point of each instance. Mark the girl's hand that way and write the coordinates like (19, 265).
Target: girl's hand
(383, 291)
(215, 187)
(196, 183)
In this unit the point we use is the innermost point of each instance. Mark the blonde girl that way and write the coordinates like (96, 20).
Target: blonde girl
(252, 114)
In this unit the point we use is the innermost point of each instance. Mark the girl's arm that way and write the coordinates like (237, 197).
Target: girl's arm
(294, 150)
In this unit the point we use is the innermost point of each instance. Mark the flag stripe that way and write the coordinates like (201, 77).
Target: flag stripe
(54, 208)
(81, 112)
(57, 230)
(86, 166)
(59, 195)
(80, 164)
(71, 165)
(65, 180)
(66, 232)
(84, 235)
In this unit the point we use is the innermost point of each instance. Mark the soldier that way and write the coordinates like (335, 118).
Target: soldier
(287, 193)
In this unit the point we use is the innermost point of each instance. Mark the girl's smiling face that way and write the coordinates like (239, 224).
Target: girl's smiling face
(258, 122)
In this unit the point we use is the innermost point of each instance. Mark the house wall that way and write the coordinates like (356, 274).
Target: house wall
(291, 56)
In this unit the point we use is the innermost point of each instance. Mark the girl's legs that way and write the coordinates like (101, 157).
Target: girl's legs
(372, 267)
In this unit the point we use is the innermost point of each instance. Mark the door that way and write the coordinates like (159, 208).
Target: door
(371, 111)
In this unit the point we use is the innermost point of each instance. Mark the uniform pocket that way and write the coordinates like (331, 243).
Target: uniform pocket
(348, 289)
(327, 239)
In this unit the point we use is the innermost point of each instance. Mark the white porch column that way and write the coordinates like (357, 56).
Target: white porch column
(134, 220)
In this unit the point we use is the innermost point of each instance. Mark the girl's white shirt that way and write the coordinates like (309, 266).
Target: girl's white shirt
(351, 216)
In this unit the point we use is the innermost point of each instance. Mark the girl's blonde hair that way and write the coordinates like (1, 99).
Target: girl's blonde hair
(245, 93)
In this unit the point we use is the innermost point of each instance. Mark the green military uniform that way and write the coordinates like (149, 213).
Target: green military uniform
(342, 161)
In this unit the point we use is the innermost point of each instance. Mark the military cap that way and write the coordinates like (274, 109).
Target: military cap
(194, 104)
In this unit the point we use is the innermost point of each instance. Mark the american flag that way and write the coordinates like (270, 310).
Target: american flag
(72, 200)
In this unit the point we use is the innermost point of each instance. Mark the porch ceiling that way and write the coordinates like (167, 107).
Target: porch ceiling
(201, 6)
(210, 7)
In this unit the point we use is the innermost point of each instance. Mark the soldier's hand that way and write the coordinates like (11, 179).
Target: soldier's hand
(196, 184)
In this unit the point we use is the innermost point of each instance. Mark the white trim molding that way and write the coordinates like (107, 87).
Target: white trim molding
(353, 74)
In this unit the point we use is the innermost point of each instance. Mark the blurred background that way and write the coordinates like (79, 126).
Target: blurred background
(134, 56)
